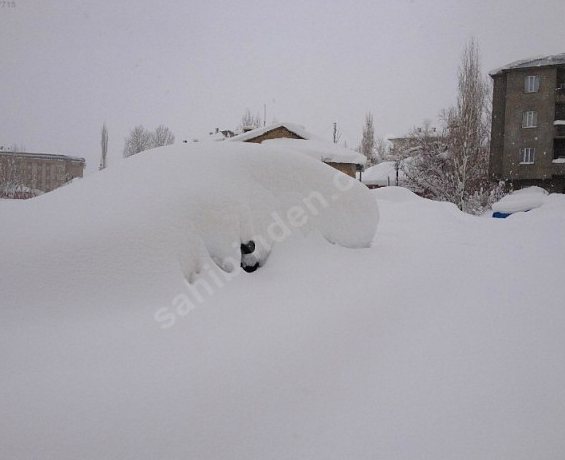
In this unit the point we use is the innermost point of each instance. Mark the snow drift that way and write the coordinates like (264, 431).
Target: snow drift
(177, 206)
(443, 340)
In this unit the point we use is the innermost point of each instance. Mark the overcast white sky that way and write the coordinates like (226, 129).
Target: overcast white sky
(68, 66)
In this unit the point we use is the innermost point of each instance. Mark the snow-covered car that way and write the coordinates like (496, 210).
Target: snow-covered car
(187, 206)
(519, 201)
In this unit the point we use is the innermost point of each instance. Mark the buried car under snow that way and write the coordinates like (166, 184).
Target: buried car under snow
(519, 201)
(179, 208)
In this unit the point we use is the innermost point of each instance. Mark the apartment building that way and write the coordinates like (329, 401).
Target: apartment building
(528, 123)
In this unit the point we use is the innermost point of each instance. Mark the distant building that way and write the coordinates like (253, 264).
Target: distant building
(295, 137)
(415, 139)
(23, 174)
(528, 123)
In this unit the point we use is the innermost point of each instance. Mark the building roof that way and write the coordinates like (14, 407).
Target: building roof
(309, 144)
(537, 61)
(323, 150)
(296, 129)
(43, 156)
(382, 174)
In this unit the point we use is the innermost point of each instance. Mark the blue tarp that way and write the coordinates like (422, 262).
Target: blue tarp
(500, 215)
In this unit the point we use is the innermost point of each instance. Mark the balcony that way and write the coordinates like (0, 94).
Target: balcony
(559, 150)
(559, 129)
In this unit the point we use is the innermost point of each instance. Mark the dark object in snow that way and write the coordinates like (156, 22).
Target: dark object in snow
(250, 268)
(247, 248)
(504, 215)
(248, 262)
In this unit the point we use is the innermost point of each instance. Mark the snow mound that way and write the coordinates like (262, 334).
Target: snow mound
(534, 190)
(395, 194)
(521, 200)
(444, 340)
(180, 205)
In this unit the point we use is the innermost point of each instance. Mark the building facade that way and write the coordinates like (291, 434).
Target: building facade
(23, 175)
(528, 123)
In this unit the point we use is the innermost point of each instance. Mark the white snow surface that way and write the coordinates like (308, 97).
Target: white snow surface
(521, 200)
(442, 340)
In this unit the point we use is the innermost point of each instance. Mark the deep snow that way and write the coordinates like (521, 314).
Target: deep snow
(443, 340)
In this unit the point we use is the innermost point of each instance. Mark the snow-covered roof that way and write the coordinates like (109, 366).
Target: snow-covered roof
(309, 144)
(320, 149)
(296, 129)
(382, 174)
(537, 61)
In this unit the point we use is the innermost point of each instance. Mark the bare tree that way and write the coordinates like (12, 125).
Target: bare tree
(467, 129)
(452, 164)
(104, 145)
(162, 136)
(422, 157)
(367, 146)
(380, 149)
(249, 121)
(139, 139)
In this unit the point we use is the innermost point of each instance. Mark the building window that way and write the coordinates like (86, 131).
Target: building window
(531, 84)
(527, 155)
(530, 119)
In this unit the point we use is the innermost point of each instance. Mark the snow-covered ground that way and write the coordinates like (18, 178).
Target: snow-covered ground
(442, 340)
